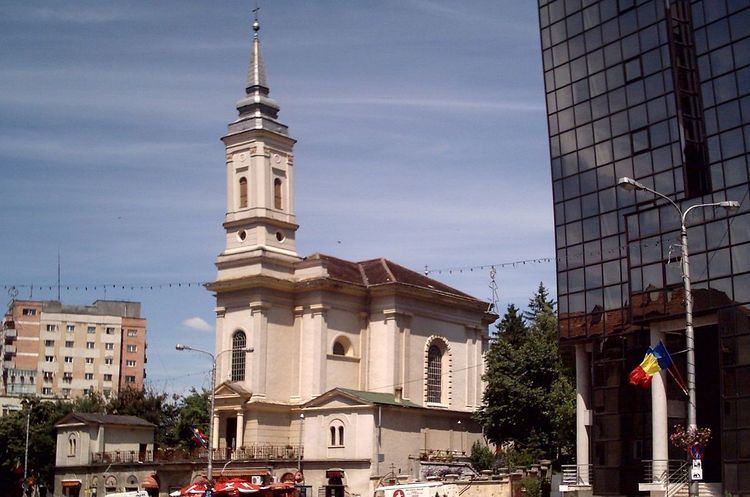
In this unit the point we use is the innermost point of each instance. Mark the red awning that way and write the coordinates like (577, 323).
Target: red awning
(150, 481)
(70, 483)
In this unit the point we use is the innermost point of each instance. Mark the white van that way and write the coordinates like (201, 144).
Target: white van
(132, 493)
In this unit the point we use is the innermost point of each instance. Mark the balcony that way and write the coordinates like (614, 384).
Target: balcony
(10, 333)
(122, 457)
(9, 350)
(8, 365)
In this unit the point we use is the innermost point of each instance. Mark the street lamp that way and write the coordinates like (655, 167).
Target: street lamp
(27, 404)
(730, 205)
(213, 357)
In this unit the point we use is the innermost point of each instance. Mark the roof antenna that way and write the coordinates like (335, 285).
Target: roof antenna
(58, 275)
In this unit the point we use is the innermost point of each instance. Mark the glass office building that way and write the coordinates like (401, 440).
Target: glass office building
(658, 91)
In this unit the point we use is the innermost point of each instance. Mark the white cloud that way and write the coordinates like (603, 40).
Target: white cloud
(197, 323)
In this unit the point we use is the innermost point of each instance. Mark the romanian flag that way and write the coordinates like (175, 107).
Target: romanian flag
(656, 359)
(199, 437)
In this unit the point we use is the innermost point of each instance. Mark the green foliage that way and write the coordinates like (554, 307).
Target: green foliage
(532, 487)
(192, 412)
(529, 398)
(481, 457)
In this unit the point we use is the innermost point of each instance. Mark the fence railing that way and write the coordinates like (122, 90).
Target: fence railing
(576, 474)
(264, 452)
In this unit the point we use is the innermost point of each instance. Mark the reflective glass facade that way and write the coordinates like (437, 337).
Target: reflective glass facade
(659, 91)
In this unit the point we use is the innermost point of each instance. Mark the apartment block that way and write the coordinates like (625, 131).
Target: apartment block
(56, 350)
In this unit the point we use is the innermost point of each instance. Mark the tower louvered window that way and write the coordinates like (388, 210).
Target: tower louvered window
(239, 343)
(277, 193)
(243, 193)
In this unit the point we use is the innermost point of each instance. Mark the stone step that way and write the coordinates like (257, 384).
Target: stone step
(704, 490)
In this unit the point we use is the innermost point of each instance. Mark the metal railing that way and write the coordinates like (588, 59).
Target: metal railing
(251, 452)
(576, 474)
(672, 473)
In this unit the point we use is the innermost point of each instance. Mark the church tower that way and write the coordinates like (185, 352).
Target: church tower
(260, 220)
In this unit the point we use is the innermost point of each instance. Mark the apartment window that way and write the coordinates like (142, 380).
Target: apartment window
(68, 344)
(67, 377)
(132, 348)
(51, 327)
(68, 359)
(49, 358)
(107, 392)
(107, 377)
(132, 333)
(130, 364)
(88, 376)
(89, 345)
(109, 330)
(91, 329)
(108, 361)
(89, 360)
(129, 379)
(70, 328)
(66, 392)
(49, 343)
(28, 312)
(46, 391)
(49, 376)
(109, 346)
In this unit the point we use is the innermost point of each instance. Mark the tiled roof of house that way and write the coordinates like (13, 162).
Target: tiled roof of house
(104, 419)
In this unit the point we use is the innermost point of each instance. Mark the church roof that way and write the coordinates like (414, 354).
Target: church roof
(360, 396)
(378, 398)
(381, 271)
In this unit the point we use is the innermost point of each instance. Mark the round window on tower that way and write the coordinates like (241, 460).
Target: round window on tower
(280, 236)
(241, 235)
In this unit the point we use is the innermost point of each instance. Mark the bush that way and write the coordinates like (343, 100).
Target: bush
(532, 487)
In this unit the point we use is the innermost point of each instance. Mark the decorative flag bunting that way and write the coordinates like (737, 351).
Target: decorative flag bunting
(656, 359)
(199, 437)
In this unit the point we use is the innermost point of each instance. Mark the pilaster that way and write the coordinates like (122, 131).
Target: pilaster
(259, 317)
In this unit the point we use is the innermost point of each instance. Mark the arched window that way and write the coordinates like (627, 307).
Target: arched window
(72, 445)
(336, 430)
(243, 193)
(339, 348)
(239, 343)
(277, 193)
(434, 374)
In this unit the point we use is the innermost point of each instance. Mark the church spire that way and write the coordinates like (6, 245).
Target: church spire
(256, 104)
(256, 75)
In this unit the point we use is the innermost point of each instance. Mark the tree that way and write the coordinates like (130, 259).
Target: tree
(529, 393)
(192, 412)
(481, 456)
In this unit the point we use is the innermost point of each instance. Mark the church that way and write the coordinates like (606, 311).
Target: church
(350, 370)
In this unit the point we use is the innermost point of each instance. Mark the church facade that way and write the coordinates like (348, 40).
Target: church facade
(358, 368)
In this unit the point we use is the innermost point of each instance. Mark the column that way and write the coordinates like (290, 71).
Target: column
(240, 428)
(583, 412)
(215, 432)
(320, 341)
(659, 425)
(220, 338)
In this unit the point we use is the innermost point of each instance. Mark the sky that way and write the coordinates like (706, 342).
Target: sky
(421, 134)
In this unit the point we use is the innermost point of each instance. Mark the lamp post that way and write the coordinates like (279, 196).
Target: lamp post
(730, 205)
(212, 397)
(27, 404)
